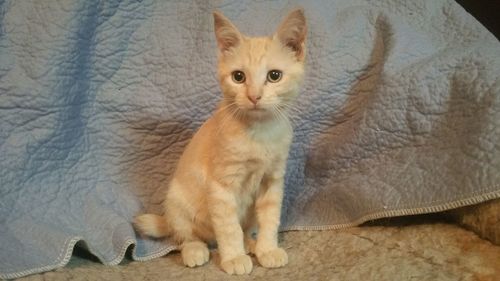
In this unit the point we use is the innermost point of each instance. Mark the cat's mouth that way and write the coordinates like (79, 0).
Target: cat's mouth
(258, 112)
(256, 108)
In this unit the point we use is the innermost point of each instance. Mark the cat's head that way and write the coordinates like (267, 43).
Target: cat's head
(260, 76)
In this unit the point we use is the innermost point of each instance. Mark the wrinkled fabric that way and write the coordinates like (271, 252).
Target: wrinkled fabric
(399, 114)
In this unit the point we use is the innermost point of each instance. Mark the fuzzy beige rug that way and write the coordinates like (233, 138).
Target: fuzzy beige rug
(409, 248)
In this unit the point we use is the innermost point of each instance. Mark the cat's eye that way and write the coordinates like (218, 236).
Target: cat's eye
(274, 76)
(238, 76)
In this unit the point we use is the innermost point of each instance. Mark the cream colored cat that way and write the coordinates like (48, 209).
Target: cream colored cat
(230, 177)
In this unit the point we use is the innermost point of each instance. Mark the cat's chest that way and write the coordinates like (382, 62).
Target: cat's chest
(263, 148)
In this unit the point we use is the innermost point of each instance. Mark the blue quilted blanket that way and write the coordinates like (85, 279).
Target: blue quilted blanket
(399, 114)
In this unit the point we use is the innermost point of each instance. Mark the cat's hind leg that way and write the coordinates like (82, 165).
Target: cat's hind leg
(194, 253)
(249, 231)
(249, 243)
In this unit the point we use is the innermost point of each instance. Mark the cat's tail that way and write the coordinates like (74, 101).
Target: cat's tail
(153, 225)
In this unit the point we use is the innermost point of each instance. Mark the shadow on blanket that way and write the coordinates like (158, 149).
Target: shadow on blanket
(159, 144)
(331, 144)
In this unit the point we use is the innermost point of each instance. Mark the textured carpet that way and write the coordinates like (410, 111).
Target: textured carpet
(408, 248)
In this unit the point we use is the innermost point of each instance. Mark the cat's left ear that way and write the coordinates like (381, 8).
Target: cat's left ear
(226, 33)
(292, 33)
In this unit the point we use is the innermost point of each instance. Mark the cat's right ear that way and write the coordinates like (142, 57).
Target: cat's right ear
(226, 33)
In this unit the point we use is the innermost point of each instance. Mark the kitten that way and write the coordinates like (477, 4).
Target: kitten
(230, 177)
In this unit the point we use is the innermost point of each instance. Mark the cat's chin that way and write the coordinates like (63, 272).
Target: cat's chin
(258, 114)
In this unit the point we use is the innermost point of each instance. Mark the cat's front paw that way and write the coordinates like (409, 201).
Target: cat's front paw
(273, 258)
(239, 265)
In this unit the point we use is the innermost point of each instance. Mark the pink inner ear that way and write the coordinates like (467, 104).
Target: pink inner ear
(294, 44)
(227, 40)
(226, 33)
(292, 32)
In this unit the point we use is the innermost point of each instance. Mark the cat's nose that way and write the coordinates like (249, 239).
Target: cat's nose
(254, 99)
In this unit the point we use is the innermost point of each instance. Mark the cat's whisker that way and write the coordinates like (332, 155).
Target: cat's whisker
(291, 109)
(281, 115)
(285, 113)
(275, 112)
(290, 105)
(227, 112)
(226, 104)
(239, 113)
(282, 110)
